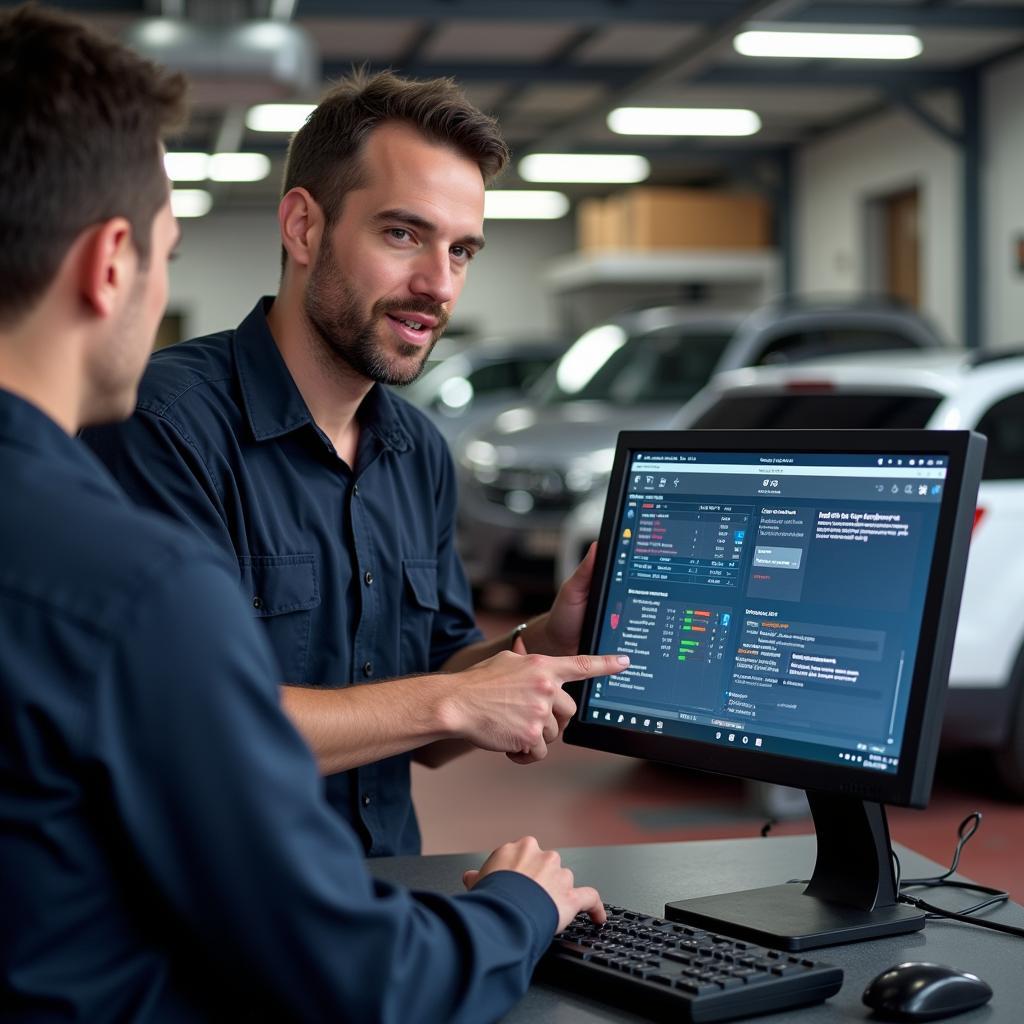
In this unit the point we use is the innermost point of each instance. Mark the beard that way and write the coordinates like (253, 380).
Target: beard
(352, 338)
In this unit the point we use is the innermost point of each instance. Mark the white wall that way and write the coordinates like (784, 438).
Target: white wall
(1003, 190)
(836, 178)
(228, 259)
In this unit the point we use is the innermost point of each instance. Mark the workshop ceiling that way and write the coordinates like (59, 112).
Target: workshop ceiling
(551, 70)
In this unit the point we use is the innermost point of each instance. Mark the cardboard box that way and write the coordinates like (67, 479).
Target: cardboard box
(675, 218)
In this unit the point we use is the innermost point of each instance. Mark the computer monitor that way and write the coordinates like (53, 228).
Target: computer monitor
(788, 601)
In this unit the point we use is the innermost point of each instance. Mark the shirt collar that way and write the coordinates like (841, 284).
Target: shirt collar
(25, 426)
(273, 404)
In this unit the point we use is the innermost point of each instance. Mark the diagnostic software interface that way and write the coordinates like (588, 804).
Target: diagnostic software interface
(769, 600)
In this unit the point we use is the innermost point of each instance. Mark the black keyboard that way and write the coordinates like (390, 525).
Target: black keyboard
(663, 969)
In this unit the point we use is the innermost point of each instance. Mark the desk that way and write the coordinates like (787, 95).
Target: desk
(644, 877)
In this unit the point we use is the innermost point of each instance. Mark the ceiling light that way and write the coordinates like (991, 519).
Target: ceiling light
(599, 167)
(190, 202)
(854, 45)
(278, 117)
(187, 166)
(239, 166)
(683, 121)
(525, 204)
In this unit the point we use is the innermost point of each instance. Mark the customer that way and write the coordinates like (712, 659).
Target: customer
(165, 853)
(334, 498)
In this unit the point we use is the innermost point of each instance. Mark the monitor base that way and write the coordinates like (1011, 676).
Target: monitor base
(785, 917)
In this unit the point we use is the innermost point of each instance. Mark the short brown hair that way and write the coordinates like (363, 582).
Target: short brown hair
(324, 154)
(81, 123)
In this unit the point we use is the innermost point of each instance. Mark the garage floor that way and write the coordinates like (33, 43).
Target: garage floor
(579, 797)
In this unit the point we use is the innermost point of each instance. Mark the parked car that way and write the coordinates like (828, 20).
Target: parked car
(936, 390)
(521, 475)
(470, 385)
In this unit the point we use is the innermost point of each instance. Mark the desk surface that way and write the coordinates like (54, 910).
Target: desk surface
(645, 877)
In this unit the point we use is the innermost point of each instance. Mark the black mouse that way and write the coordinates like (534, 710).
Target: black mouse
(919, 991)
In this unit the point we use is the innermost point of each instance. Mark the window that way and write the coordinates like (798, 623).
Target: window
(826, 410)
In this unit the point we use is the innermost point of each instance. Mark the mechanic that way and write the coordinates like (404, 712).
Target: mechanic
(279, 442)
(165, 849)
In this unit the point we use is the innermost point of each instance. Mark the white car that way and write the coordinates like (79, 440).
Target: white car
(985, 706)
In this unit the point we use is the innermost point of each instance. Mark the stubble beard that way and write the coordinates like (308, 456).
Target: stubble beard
(350, 340)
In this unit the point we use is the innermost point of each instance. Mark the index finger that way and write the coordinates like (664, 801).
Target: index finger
(586, 666)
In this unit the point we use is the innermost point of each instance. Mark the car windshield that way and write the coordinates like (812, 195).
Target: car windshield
(844, 411)
(831, 341)
(605, 365)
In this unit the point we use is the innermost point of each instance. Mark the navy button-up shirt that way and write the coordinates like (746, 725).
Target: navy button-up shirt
(352, 572)
(165, 850)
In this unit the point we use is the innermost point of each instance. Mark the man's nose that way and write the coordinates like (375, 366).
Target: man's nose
(432, 276)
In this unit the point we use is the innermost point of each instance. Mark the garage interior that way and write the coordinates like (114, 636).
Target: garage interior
(872, 176)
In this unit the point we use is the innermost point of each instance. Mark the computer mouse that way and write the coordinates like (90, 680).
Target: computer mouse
(921, 991)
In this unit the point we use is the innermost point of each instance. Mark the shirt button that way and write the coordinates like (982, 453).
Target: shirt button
(257, 602)
(367, 668)
(366, 800)
(368, 577)
(355, 490)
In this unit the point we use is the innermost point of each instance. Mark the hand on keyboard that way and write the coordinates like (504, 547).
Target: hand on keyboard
(545, 868)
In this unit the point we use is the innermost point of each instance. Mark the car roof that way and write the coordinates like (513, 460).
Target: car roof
(654, 318)
(938, 370)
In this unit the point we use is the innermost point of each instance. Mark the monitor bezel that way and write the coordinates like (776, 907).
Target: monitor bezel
(910, 784)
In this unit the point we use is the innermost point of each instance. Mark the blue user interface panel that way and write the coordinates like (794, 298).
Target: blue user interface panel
(769, 601)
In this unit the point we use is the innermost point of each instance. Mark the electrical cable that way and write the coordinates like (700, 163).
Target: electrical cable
(968, 827)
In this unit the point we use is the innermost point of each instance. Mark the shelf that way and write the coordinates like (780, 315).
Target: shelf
(759, 268)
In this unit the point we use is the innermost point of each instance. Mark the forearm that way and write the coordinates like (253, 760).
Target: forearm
(357, 725)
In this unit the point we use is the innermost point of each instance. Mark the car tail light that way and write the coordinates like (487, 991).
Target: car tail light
(810, 385)
(979, 514)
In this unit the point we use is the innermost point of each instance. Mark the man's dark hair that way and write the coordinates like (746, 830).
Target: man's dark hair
(81, 119)
(324, 154)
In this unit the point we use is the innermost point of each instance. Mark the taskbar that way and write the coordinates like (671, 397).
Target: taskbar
(724, 732)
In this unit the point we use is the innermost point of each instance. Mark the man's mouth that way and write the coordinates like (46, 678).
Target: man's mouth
(414, 327)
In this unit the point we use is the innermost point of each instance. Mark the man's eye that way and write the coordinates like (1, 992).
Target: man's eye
(460, 252)
(400, 234)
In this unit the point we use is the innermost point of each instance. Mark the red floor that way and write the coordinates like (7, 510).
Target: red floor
(579, 797)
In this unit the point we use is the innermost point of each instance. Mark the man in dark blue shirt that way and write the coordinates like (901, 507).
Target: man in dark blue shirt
(165, 851)
(334, 498)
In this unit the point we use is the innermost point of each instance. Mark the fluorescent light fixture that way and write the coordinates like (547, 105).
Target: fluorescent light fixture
(853, 45)
(585, 167)
(239, 167)
(683, 121)
(190, 202)
(278, 117)
(187, 166)
(525, 204)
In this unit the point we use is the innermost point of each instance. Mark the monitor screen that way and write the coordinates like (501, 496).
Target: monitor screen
(788, 602)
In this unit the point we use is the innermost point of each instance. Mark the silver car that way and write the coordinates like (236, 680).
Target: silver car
(522, 473)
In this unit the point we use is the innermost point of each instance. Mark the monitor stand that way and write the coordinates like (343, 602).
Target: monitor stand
(851, 895)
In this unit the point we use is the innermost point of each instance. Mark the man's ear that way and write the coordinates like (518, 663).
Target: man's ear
(107, 263)
(301, 221)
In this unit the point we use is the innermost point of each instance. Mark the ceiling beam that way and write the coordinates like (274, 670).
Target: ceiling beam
(682, 63)
(707, 12)
(832, 73)
(975, 16)
(613, 76)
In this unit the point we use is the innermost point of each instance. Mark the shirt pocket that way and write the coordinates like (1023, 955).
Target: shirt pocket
(419, 603)
(283, 591)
